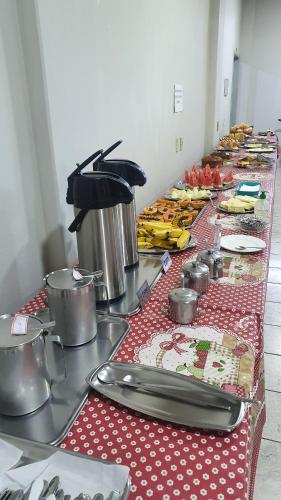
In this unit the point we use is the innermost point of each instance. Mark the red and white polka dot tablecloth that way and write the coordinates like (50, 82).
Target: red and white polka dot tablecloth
(169, 461)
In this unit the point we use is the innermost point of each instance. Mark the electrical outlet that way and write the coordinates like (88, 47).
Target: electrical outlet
(181, 143)
(177, 144)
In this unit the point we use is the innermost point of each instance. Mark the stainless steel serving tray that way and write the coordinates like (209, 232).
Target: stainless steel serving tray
(50, 423)
(35, 452)
(166, 405)
(191, 244)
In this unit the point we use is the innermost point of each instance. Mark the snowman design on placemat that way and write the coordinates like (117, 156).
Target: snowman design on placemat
(205, 353)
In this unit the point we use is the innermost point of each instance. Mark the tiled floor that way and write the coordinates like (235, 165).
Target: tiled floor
(268, 478)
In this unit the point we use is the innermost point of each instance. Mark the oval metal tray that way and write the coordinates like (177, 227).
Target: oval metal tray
(170, 405)
(191, 244)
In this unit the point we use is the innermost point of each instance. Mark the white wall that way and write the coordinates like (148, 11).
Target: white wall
(78, 75)
(21, 215)
(110, 68)
(224, 34)
(259, 98)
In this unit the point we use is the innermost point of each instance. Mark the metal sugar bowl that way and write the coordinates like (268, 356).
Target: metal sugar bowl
(183, 305)
(214, 260)
(195, 275)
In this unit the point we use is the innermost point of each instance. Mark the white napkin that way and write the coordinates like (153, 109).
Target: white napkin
(251, 189)
(9, 455)
(76, 474)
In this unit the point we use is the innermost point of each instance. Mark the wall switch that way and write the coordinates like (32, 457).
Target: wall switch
(181, 143)
(218, 126)
(178, 144)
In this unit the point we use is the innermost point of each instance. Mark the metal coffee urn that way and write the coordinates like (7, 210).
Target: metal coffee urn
(135, 176)
(96, 199)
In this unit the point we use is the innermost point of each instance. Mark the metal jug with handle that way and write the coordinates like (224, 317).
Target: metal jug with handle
(195, 275)
(213, 259)
(25, 379)
(72, 304)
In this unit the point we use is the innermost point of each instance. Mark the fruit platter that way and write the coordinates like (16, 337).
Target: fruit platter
(207, 179)
(164, 225)
(239, 204)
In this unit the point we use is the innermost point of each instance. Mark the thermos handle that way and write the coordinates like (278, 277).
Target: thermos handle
(57, 340)
(101, 283)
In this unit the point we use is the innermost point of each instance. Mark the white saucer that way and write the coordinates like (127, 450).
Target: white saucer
(232, 241)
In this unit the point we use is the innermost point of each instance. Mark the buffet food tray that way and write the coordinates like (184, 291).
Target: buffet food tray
(232, 212)
(50, 423)
(169, 405)
(169, 197)
(191, 244)
(35, 452)
(224, 188)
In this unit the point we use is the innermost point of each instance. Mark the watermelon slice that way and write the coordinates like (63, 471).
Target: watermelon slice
(228, 179)
(193, 180)
(208, 181)
(217, 180)
(207, 170)
(195, 172)
(187, 177)
(201, 178)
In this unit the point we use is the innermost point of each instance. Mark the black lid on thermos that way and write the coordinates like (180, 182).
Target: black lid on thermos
(98, 155)
(97, 190)
(130, 171)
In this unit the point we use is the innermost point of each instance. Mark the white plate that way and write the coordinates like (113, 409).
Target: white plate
(232, 241)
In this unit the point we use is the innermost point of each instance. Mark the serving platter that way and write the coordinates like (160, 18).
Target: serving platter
(230, 212)
(171, 198)
(224, 188)
(191, 244)
(170, 405)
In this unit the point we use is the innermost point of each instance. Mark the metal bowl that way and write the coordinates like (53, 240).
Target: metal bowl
(252, 223)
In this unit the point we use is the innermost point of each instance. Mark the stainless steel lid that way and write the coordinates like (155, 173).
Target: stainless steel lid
(183, 295)
(62, 279)
(210, 255)
(196, 269)
(7, 340)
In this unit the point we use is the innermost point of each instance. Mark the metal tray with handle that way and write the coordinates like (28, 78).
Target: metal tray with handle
(172, 403)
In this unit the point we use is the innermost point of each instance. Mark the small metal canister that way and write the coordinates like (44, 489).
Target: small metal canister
(183, 305)
(195, 275)
(214, 260)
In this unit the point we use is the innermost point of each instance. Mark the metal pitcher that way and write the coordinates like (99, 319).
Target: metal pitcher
(195, 275)
(72, 305)
(214, 260)
(25, 380)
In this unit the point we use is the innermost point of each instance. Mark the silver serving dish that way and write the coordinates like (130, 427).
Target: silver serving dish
(169, 404)
(191, 244)
(35, 452)
(224, 188)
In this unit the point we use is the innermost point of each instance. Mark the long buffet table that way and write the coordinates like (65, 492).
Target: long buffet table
(224, 346)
